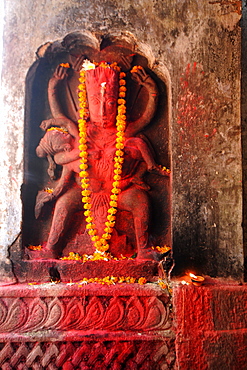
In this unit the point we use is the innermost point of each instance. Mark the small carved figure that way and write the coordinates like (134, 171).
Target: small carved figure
(60, 146)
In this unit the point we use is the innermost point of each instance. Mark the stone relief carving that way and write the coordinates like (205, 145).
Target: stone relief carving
(96, 197)
(85, 313)
(127, 354)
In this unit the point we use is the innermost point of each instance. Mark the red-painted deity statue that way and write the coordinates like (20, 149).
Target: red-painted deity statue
(103, 161)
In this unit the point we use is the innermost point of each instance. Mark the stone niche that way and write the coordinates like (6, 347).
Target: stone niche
(147, 177)
(114, 322)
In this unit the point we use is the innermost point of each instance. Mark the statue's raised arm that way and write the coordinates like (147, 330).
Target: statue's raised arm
(144, 80)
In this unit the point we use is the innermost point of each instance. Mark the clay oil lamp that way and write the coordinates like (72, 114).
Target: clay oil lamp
(196, 279)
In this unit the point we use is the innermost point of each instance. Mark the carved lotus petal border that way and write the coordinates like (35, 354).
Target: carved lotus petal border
(83, 313)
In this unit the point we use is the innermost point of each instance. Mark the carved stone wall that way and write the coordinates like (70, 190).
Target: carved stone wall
(62, 326)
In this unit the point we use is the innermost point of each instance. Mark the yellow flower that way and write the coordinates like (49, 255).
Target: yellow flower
(92, 232)
(122, 88)
(110, 223)
(87, 213)
(142, 280)
(86, 200)
(119, 146)
(83, 166)
(112, 211)
(84, 148)
(119, 153)
(116, 191)
(111, 218)
(65, 65)
(87, 206)
(83, 174)
(86, 193)
(108, 230)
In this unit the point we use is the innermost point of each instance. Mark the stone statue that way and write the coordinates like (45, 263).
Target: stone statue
(62, 144)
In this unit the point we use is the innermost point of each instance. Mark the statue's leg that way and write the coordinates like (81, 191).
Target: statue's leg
(65, 207)
(136, 201)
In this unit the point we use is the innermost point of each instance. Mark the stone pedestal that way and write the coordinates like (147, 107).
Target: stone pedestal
(76, 326)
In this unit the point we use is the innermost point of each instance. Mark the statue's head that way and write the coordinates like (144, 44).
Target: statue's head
(102, 94)
(54, 141)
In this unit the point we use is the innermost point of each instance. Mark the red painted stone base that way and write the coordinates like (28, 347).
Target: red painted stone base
(211, 327)
(87, 355)
(64, 326)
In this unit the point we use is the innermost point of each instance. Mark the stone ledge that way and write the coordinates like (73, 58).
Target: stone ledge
(40, 270)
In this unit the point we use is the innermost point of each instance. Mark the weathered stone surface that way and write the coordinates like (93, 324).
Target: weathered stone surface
(206, 148)
(211, 327)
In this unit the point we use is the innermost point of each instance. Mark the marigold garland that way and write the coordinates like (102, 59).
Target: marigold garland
(101, 243)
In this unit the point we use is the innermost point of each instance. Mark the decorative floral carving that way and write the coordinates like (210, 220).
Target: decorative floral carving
(83, 313)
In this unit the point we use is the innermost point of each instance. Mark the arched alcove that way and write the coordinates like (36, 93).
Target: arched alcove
(125, 50)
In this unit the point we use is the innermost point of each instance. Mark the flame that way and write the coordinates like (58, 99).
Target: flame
(193, 276)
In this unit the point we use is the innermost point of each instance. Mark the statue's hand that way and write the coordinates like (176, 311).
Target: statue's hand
(77, 65)
(47, 123)
(60, 72)
(59, 75)
(42, 198)
(140, 76)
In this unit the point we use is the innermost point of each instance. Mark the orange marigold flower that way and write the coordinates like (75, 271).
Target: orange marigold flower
(112, 211)
(106, 236)
(92, 232)
(108, 230)
(116, 191)
(83, 174)
(142, 280)
(118, 171)
(87, 206)
(110, 223)
(120, 127)
(118, 160)
(90, 225)
(111, 218)
(119, 153)
(119, 145)
(65, 65)
(122, 88)
(86, 193)
(87, 213)
(84, 148)
(104, 248)
(81, 120)
(122, 82)
(83, 166)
